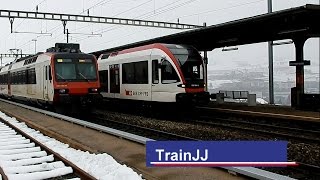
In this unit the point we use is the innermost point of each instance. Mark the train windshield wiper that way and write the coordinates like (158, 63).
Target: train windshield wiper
(61, 77)
(84, 77)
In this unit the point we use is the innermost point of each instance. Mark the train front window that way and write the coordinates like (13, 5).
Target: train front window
(190, 63)
(87, 71)
(75, 70)
(168, 73)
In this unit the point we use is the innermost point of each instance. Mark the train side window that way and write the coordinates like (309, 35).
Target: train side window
(19, 77)
(50, 75)
(135, 73)
(116, 72)
(23, 77)
(128, 73)
(141, 72)
(103, 76)
(46, 72)
(31, 76)
(155, 71)
(168, 73)
(11, 78)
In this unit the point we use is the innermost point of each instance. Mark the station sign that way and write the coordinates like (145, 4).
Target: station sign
(298, 63)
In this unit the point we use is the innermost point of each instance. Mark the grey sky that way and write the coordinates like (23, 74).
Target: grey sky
(188, 11)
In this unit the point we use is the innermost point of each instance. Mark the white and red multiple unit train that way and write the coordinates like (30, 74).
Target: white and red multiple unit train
(154, 73)
(61, 77)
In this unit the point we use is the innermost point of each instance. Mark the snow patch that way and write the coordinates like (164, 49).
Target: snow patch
(100, 166)
(261, 101)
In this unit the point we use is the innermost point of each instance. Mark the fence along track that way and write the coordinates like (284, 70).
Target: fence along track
(18, 149)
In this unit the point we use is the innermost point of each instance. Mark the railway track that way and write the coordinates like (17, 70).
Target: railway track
(147, 132)
(300, 172)
(288, 133)
(23, 157)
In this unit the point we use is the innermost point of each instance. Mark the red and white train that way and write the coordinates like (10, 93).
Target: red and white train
(154, 73)
(61, 77)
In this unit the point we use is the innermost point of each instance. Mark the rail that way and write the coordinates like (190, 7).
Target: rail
(57, 157)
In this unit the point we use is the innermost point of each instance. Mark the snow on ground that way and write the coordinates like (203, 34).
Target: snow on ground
(101, 166)
(261, 101)
(218, 83)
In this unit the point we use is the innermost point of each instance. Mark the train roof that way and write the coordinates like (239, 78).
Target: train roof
(144, 47)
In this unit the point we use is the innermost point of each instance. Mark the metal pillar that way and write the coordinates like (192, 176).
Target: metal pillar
(299, 44)
(11, 23)
(270, 54)
(205, 60)
(67, 35)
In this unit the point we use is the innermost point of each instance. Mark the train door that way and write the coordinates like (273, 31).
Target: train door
(46, 79)
(115, 80)
(165, 81)
(155, 82)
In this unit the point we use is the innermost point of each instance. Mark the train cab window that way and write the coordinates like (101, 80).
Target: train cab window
(87, 69)
(65, 71)
(155, 71)
(83, 69)
(168, 73)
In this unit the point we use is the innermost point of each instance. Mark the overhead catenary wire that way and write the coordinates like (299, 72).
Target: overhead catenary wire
(215, 10)
(165, 10)
(168, 7)
(9, 34)
(58, 26)
(100, 2)
(162, 11)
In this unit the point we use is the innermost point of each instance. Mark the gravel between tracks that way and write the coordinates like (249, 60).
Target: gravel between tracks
(297, 151)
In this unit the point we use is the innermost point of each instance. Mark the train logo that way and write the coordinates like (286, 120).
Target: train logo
(128, 93)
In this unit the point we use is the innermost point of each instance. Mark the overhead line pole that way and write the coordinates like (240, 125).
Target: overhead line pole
(270, 54)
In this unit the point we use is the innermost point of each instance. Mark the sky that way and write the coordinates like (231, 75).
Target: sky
(108, 36)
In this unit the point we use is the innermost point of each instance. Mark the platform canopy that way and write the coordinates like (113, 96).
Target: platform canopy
(285, 24)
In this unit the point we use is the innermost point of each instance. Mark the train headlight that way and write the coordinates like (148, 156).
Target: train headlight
(62, 91)
(181, 85)
(93, 90)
